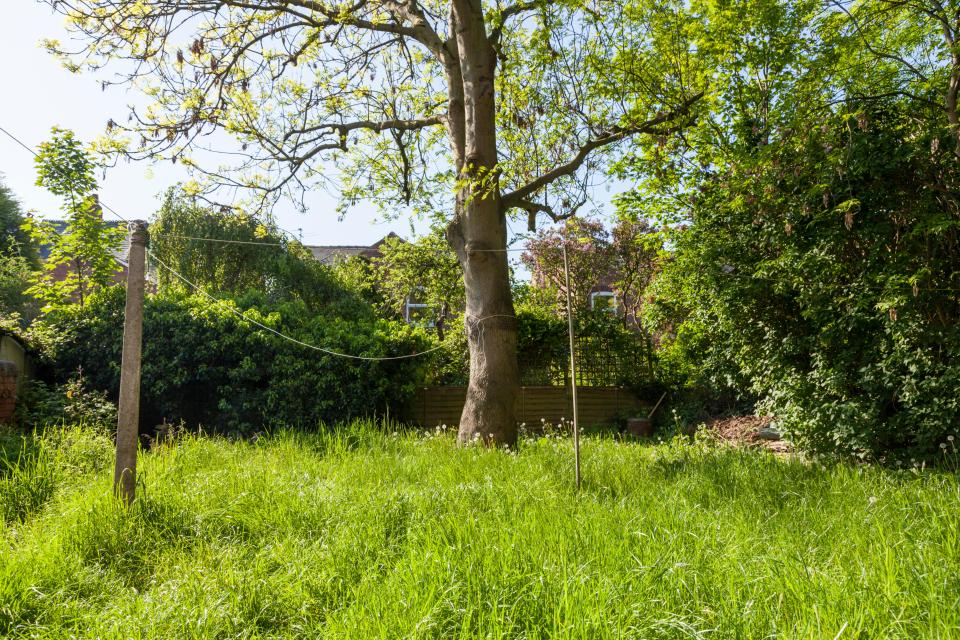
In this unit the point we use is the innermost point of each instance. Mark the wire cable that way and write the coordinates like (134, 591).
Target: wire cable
(19, 142)
(224, 241)
(281, 244)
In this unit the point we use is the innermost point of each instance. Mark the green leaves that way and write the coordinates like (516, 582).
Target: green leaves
(81, 258)
(65, 169)
(817, 270)
(205, 365)
(249, 256)
(425, 271)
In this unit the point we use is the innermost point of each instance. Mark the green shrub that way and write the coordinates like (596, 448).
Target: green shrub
(258, 263)
(820, 277)
(44, 405)
(204, 365)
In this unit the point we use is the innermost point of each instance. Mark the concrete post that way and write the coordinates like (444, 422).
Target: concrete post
(128, 422)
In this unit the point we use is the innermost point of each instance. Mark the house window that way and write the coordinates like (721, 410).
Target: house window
(605, 301)
(418, 313)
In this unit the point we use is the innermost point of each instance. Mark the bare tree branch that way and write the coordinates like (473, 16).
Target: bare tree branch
(613, 135)
(496, 33)
(384, 125)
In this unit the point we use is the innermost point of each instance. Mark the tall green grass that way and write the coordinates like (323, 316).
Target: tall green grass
(364, 534)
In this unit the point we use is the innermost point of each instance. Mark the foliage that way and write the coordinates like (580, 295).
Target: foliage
(813, 219)
(35, 337)
(372, 88)
(15, 277)
(205, 365)
(830, 292)
(255, 257)
(357, 532)
(425, 271)
(623, 258)
(588, 256)
(81, 258)
(72, 403)
(18, 258)
(13, 239)
(359, 275)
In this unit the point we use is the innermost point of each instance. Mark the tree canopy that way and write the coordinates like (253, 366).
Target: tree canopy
(232, 253)
(18, 258)
(14, 240)
(372, 86)
(424, 271)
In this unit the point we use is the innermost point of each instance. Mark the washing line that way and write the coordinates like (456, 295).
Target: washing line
(282, 244)
(221, 240)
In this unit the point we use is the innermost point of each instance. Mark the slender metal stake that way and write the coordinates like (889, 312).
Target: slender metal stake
(128, 420)
(573, 365)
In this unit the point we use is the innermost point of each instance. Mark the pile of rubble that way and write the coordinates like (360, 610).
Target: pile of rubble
(753, 431)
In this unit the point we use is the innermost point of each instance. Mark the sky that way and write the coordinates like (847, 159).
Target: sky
(41, 94)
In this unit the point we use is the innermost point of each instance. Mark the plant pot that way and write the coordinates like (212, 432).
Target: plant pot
(8, 390)
(640, 427)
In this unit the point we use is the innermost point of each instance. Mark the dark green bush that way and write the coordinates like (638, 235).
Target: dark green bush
(820, 276)
(204, 365)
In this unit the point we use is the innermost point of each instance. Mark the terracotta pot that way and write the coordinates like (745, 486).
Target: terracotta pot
(640, 427)
(8, 391)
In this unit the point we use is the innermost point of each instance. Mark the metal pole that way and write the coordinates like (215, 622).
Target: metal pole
(573, 365)
(128, 420)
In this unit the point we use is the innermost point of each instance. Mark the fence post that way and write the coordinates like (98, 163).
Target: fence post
(573, 366)
(128, 420)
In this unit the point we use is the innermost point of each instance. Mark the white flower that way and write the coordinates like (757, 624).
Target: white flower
(943, 445)
(873, 500)
(949, 438)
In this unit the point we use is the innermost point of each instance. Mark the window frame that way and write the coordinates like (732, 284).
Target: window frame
(614, 307)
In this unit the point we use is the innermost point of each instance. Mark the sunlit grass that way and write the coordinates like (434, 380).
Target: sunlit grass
(363, 534)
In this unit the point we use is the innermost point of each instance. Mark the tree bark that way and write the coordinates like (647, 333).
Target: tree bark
(478, 234)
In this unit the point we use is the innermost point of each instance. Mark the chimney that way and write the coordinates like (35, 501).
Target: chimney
(93, 205)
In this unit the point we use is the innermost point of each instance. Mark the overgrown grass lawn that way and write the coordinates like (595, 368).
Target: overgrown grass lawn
(362, 534)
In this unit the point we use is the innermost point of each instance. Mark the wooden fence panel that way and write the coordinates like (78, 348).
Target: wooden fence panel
(434, 406)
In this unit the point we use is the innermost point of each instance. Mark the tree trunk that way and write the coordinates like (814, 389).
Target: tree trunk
(478, 234)
(489, 413)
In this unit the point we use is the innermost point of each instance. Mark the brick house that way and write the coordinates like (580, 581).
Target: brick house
(119, 254)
